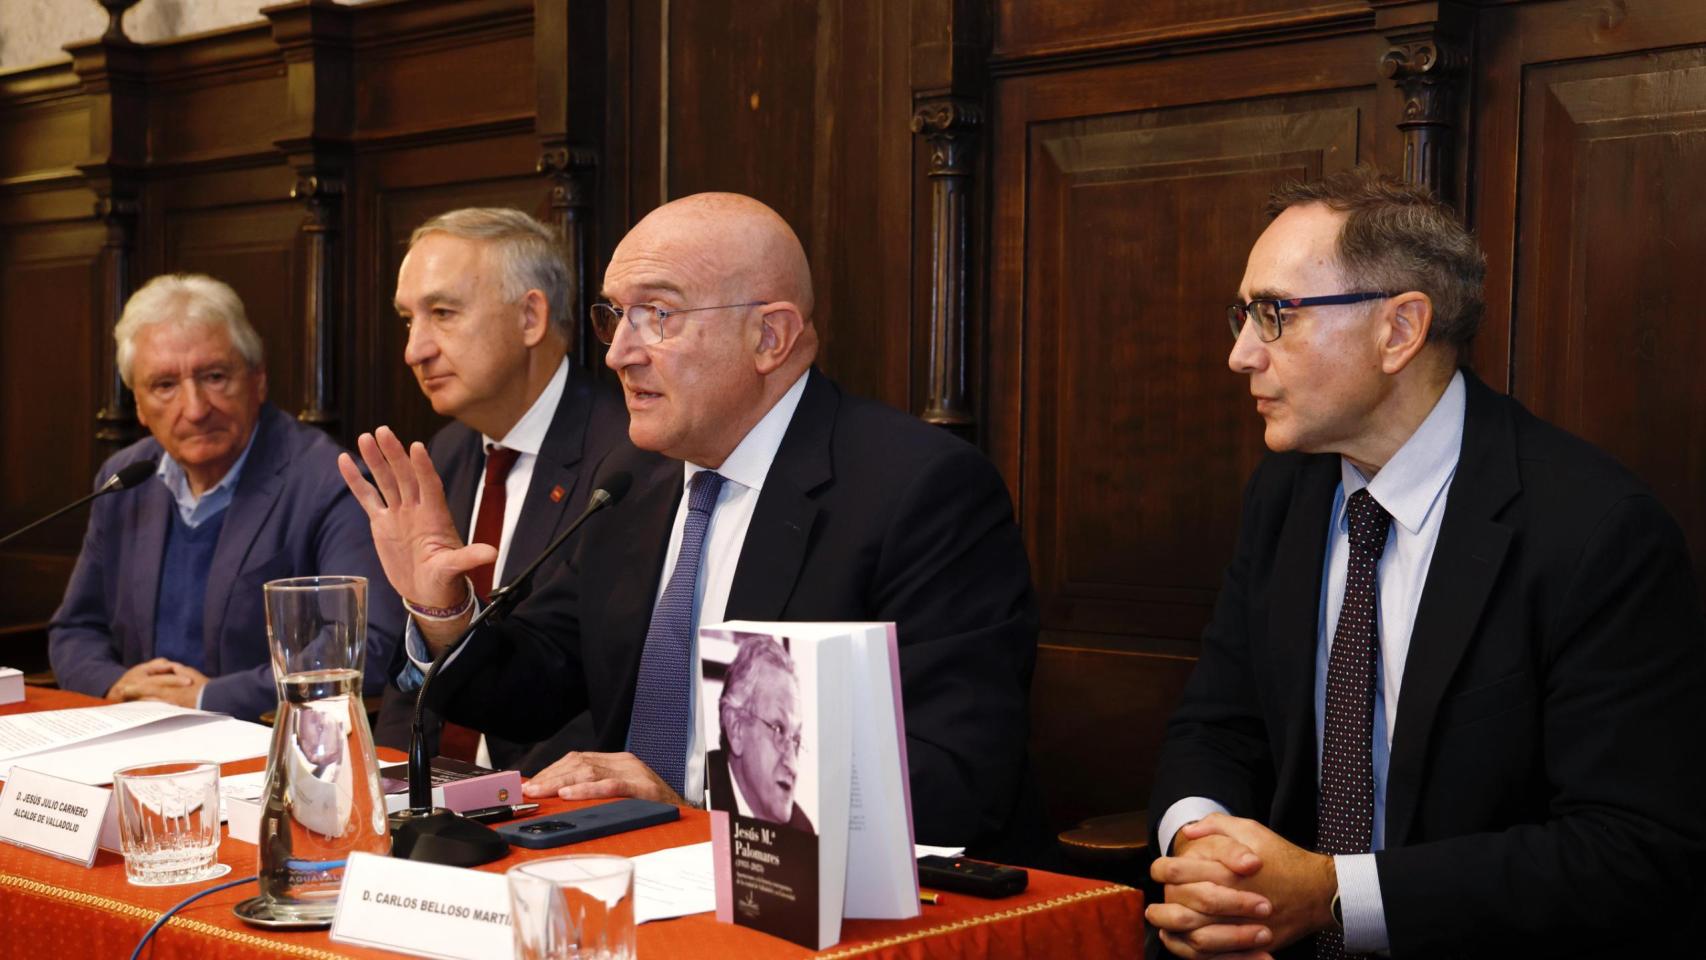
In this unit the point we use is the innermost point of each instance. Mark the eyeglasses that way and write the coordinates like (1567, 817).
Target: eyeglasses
(1267, 313)
(779, 735)
(649, 320)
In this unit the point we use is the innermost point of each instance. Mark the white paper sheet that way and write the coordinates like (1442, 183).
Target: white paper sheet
(924, 850)
(674, 883)
(29, 733)
(192, 736)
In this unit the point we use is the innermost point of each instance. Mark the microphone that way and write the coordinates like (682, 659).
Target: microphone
(435, 835)
(124, 479)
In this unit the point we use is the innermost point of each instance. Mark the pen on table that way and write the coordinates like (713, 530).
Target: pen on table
(499, 813)
(930, 896)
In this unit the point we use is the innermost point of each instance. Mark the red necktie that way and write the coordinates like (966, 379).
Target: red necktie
(1344, 812)
(455, 740)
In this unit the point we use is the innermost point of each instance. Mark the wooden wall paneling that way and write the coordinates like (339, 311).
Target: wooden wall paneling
(1126, 200)
(1026, 29)
(49, 282)
(1607, 190)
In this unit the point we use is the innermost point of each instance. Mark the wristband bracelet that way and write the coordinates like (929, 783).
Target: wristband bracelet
(443, 613)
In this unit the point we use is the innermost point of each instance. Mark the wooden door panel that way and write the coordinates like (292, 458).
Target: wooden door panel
(1139, 438)
(1605, 336)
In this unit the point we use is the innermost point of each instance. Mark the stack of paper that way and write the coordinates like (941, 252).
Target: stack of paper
(87, 744)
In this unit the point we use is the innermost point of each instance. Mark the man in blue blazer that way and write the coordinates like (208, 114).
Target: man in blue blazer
(165, 602)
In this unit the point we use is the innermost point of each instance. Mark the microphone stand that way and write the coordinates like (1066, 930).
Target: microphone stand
(434, 834)
(117, 481)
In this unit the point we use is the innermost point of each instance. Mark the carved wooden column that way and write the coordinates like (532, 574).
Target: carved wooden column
(316, 41)
(322, 230)
(569, 171)
(949, 52)
(569, 66)
(950, 126)
(1428, 62)
(111, 73)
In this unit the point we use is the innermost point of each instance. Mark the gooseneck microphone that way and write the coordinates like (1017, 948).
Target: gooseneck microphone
(434, 835)
(124, 479)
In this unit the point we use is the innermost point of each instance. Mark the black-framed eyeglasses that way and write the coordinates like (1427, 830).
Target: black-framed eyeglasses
(1268, 315)
(652, 322)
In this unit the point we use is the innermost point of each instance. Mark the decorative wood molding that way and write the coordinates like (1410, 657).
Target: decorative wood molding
(1429, 63)
(950, 125)
(117, 208)
(322, 233)
(569, 171)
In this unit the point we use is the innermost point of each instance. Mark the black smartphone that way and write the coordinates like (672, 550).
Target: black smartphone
(590, 823)
(980, 879)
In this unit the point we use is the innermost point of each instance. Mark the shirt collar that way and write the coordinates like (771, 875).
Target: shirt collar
(1410, 484)
(528, 434)
(751, 459)
(196, 510)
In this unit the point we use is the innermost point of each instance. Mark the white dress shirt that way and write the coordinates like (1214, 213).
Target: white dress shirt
(1412, 487)
(526, 438)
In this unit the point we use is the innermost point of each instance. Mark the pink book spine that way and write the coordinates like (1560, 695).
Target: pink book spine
(722, 860)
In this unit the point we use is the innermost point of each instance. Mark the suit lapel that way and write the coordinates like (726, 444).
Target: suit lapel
(625, 585)
(148, 537)
(775, 545)
(557, 468)
(1465, 565)
(1293, 629)
(257, 493)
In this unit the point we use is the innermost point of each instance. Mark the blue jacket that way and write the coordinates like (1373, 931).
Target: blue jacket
(291, 516)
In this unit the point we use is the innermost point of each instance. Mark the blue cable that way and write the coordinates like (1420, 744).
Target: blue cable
(134, 954)
(182, 904)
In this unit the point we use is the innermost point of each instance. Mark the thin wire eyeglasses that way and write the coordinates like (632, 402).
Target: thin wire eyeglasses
(784, 741)
(649, 320)
(1267, 313)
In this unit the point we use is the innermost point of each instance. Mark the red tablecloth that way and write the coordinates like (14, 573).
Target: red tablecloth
(52, 908)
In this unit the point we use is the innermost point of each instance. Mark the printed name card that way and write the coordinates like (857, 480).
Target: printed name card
(11, 685)
(61, 818)
(423, 909)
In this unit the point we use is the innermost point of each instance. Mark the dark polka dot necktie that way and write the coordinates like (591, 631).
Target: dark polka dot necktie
(1344, 812)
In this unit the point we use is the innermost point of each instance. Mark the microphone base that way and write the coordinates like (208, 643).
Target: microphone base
(439, 836)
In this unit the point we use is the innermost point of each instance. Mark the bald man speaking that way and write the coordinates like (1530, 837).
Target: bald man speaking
(792, 501)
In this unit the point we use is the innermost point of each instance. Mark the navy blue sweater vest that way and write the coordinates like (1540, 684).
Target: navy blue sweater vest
(183, 589)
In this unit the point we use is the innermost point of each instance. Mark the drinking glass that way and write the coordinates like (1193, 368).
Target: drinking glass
(168, 816)
(573, 908)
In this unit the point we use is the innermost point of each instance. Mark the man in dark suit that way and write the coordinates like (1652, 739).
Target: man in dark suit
(1450, 695)
(165, 602)
(756, 770)
(484, 292)
(793, 501)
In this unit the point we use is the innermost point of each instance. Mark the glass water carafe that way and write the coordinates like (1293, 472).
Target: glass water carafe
(323, 800)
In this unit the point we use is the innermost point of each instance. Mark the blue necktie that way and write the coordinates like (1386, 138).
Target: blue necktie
(657, 734)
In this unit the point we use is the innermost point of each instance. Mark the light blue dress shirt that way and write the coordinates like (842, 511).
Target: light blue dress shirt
(195, 510)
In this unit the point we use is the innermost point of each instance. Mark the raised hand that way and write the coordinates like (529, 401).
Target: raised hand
(423, 556)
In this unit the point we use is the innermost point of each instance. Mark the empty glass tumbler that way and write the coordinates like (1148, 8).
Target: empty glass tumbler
(168, 816)
(573, 908)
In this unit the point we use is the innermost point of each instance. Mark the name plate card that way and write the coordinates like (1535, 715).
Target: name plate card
(61, 818)
(423, 909)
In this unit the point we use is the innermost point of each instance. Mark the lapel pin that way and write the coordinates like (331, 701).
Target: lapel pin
(557, 494)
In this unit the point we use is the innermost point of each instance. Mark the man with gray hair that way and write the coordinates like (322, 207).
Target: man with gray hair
(165, 601)
(484, 294)
(756, 770)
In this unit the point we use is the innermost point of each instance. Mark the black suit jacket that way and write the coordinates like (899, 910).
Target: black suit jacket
(719, 783)
(866, 514)
(1544, 794)
(590, 420)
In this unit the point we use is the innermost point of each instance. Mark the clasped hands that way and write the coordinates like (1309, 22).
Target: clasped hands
(1235, 889)
(160, 679)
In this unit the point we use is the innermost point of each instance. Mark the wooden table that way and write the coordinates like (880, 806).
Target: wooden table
(52, 908)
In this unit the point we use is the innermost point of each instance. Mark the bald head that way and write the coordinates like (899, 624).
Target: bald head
(730, 279)
(732, 237)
